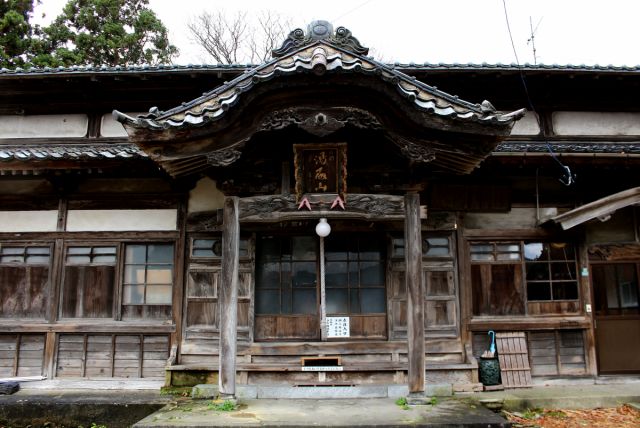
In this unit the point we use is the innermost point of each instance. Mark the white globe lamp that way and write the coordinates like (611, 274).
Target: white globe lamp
(323, 229)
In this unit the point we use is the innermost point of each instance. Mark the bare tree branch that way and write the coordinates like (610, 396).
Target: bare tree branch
(239, 38)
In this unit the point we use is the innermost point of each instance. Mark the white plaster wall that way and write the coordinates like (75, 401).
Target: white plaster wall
(28, 221)
(595, 123)
(121, 220)
(528, 125)
(42, 126)
(205, 196)
(109, 127)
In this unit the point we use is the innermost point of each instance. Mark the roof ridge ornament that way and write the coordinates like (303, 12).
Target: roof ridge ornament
(320, 30)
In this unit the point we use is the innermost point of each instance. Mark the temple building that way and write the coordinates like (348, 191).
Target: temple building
(320, 219)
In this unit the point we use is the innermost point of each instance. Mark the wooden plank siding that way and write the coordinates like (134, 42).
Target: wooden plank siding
(21, 354)
(108, 356)
(514, 359)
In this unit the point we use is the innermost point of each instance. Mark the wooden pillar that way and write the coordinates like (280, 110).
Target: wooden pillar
(228, 303)
(415, 293)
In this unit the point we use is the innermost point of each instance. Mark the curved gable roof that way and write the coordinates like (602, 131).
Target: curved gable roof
(218, 123)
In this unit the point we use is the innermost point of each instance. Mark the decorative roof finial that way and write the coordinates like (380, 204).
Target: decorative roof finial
(320, 30)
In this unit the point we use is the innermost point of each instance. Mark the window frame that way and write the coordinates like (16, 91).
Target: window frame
(50, 270)
(523, 263)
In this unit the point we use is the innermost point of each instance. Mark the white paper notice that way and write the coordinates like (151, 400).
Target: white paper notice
(337, 326)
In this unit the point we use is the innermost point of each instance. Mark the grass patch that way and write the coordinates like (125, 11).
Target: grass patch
(402, 403)
(222, 406)
(180, 391)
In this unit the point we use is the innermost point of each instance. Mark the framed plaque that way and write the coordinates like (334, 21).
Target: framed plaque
(320, 169)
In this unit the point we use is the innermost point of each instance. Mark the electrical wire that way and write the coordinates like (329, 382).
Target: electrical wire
(567, 177)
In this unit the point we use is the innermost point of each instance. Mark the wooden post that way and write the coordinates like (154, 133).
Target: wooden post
(415, 293)
(229, 297)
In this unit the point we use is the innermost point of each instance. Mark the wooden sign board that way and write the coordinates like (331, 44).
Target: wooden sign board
(320, 169)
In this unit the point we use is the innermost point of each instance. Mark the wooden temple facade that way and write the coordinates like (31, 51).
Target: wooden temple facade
(188, 243)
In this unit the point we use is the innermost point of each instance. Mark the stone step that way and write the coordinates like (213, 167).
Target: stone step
(329, 391)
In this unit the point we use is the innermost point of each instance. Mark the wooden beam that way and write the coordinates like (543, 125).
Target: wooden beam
(228, 296)
(415, 293)
(601, 208)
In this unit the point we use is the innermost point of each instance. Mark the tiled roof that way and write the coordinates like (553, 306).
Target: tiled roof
(74, 151)
(170, 68)
(318, 58)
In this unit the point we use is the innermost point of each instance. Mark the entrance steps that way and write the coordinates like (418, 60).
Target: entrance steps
(328, 391)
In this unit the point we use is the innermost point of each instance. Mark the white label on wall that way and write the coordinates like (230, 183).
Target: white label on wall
(337, 326)
(322, 369)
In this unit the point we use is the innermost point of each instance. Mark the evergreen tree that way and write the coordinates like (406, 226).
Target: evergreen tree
(87, 32)
(15, 32)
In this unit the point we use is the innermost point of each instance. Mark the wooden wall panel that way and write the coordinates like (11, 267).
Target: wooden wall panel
(106, 355)
(21, 354)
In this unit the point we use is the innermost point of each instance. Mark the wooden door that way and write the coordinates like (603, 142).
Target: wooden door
(617, 317)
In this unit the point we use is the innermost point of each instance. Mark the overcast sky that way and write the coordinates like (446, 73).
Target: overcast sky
(465, 31)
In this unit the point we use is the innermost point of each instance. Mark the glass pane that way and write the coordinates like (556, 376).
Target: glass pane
(104, 250)
(565, 290)
(438, 242)
(627, 285)
(133, 294)
(12, 259)
(354, 301)
(479, 248)
(78, 259)
(268, 248)
(335, 249)
(160, 253)
(537, 271)
(159, 274)
(243, 248)
(372, 300)
(304, 247)
(202, 253)
(285, 274)
(371, 273)
(508, 248)
(563, 271)
(371, 249)
(436, 251)
(134, 274)
(354, 274)
(336, 274)
(268, 302)
(38, 259)
(398, 247)
(508, 256)
(203, 243)
(535, 251)
(12, 250)
(105, 259)
(304, 301)
(158, 295)
(79, 250)
(561, 251)
(337, 302)
(285, 302)
(303, 274)
(268, 275)
(38, 250)
(136, 254)
(481, 256)
(538, 291)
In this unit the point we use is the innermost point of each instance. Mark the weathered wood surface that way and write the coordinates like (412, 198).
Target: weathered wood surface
(357, 206)
(599, 208)
(229, 296)
(513, 355)
(614, 252)
(415, 293)
(528, 323)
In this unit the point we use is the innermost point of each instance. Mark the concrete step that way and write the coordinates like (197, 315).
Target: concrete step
(345, 412)
(321, 391)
